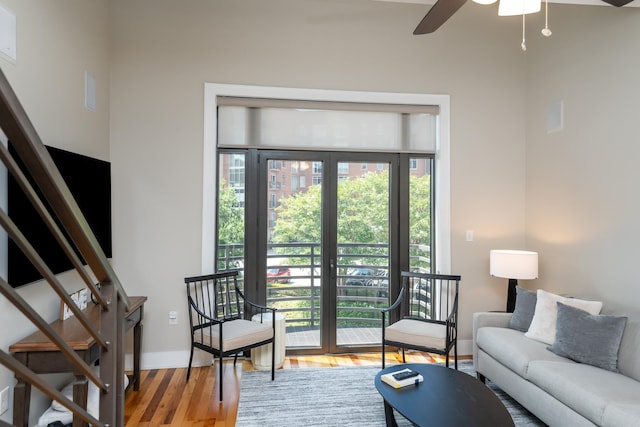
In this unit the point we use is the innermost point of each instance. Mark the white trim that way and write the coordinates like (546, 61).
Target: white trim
(168, 360)
(443, 192)
(212, 90)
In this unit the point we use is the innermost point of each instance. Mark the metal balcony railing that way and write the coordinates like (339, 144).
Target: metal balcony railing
(295, 289)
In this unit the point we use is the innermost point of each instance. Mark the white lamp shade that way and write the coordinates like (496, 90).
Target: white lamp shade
(512, 264)
(485, 1)
(518, 7)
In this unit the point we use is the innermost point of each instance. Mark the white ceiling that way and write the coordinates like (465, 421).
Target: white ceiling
(635, 3)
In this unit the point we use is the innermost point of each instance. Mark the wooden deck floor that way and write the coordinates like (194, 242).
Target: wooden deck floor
(166, 399)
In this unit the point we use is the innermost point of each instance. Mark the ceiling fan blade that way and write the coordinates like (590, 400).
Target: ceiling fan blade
(617, 3)
(438, 15)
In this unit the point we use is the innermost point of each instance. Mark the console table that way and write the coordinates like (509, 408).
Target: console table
(42, 356)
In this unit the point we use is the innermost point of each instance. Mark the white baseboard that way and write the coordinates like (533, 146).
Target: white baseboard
(180, 359)
(465, 347)
(168, 360)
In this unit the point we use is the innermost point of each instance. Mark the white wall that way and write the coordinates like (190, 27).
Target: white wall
(582, 195)
(56, 43)
(164, 51)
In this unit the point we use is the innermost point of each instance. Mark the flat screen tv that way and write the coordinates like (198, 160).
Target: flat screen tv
(89, 181)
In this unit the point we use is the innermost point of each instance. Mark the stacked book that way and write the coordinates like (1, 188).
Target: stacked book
(402, 378)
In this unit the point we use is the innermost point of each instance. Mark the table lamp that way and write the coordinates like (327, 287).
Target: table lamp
(513, 265)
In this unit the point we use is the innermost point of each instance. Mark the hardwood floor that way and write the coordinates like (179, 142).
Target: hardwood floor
(166, 399)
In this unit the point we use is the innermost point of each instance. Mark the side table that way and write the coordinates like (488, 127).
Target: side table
(261, 356)
(42, 356)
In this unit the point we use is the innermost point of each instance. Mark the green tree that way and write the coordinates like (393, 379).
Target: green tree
(363, 212)
(363, 209)
(231, 216)
(420, 223)
(420, 209)
(299, 217)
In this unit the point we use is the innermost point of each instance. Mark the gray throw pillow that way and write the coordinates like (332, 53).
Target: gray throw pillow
(523, 312)
(588, 338)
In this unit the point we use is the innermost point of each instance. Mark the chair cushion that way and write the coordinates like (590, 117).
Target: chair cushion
(513, 349)
(236, 334)
(584, 388)
(419, 333)
(621, 414)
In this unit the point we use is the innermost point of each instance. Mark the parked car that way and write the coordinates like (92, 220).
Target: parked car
(278, 274)
(360, 277)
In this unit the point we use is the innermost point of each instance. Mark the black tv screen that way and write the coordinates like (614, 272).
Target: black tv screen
(89, 181)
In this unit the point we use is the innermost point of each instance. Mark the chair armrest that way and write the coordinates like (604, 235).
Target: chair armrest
(260, 307)
(453, 315)
(395, 304)
(257, 308)
(485, 318)
(253, 304)
(210, 320)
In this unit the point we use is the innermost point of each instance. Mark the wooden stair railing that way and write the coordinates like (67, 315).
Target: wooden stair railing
(110, 295)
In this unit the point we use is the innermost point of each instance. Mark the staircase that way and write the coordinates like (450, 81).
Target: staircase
(108, 293)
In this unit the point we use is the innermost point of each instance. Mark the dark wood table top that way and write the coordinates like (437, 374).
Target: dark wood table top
(71, 331)
(446, 398)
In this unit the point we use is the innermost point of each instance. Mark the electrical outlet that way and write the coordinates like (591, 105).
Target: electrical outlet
(4, 400)
(173, 317)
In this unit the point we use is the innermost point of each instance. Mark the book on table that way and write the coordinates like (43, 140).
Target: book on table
(402, 378)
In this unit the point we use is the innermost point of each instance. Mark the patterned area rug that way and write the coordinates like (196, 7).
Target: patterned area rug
(331, 397)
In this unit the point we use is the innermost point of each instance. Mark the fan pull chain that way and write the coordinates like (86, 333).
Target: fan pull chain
(546, 31)
(524, 44)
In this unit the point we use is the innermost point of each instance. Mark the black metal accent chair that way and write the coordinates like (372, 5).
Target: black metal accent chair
(220, 319)
(424, 316)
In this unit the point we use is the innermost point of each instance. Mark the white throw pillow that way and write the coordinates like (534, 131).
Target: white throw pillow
(543, 324)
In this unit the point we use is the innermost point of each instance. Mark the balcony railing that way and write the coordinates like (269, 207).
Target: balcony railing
(296, 287)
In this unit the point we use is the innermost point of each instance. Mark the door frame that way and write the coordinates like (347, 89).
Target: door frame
(256, 255)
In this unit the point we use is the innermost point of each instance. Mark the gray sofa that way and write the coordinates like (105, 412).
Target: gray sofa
(558, 390)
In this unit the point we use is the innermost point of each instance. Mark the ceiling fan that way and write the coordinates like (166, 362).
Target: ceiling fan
(442, 10)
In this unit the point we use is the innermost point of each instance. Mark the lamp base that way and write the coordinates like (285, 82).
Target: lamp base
(511, 295)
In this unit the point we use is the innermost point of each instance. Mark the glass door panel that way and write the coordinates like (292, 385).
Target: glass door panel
(293, 274)
(231, 212)
(420, 215)
(362, 224)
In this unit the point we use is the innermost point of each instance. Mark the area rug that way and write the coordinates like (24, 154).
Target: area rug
(344, 396)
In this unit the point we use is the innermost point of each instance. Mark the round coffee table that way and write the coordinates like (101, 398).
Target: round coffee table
(446, 398)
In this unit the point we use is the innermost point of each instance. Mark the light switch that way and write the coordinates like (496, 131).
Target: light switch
(173, 317)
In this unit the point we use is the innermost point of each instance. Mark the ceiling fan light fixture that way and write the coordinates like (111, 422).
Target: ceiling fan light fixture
(518, 7)
(485, 2)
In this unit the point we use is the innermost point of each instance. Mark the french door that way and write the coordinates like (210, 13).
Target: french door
(327, 231)
(325, 234)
